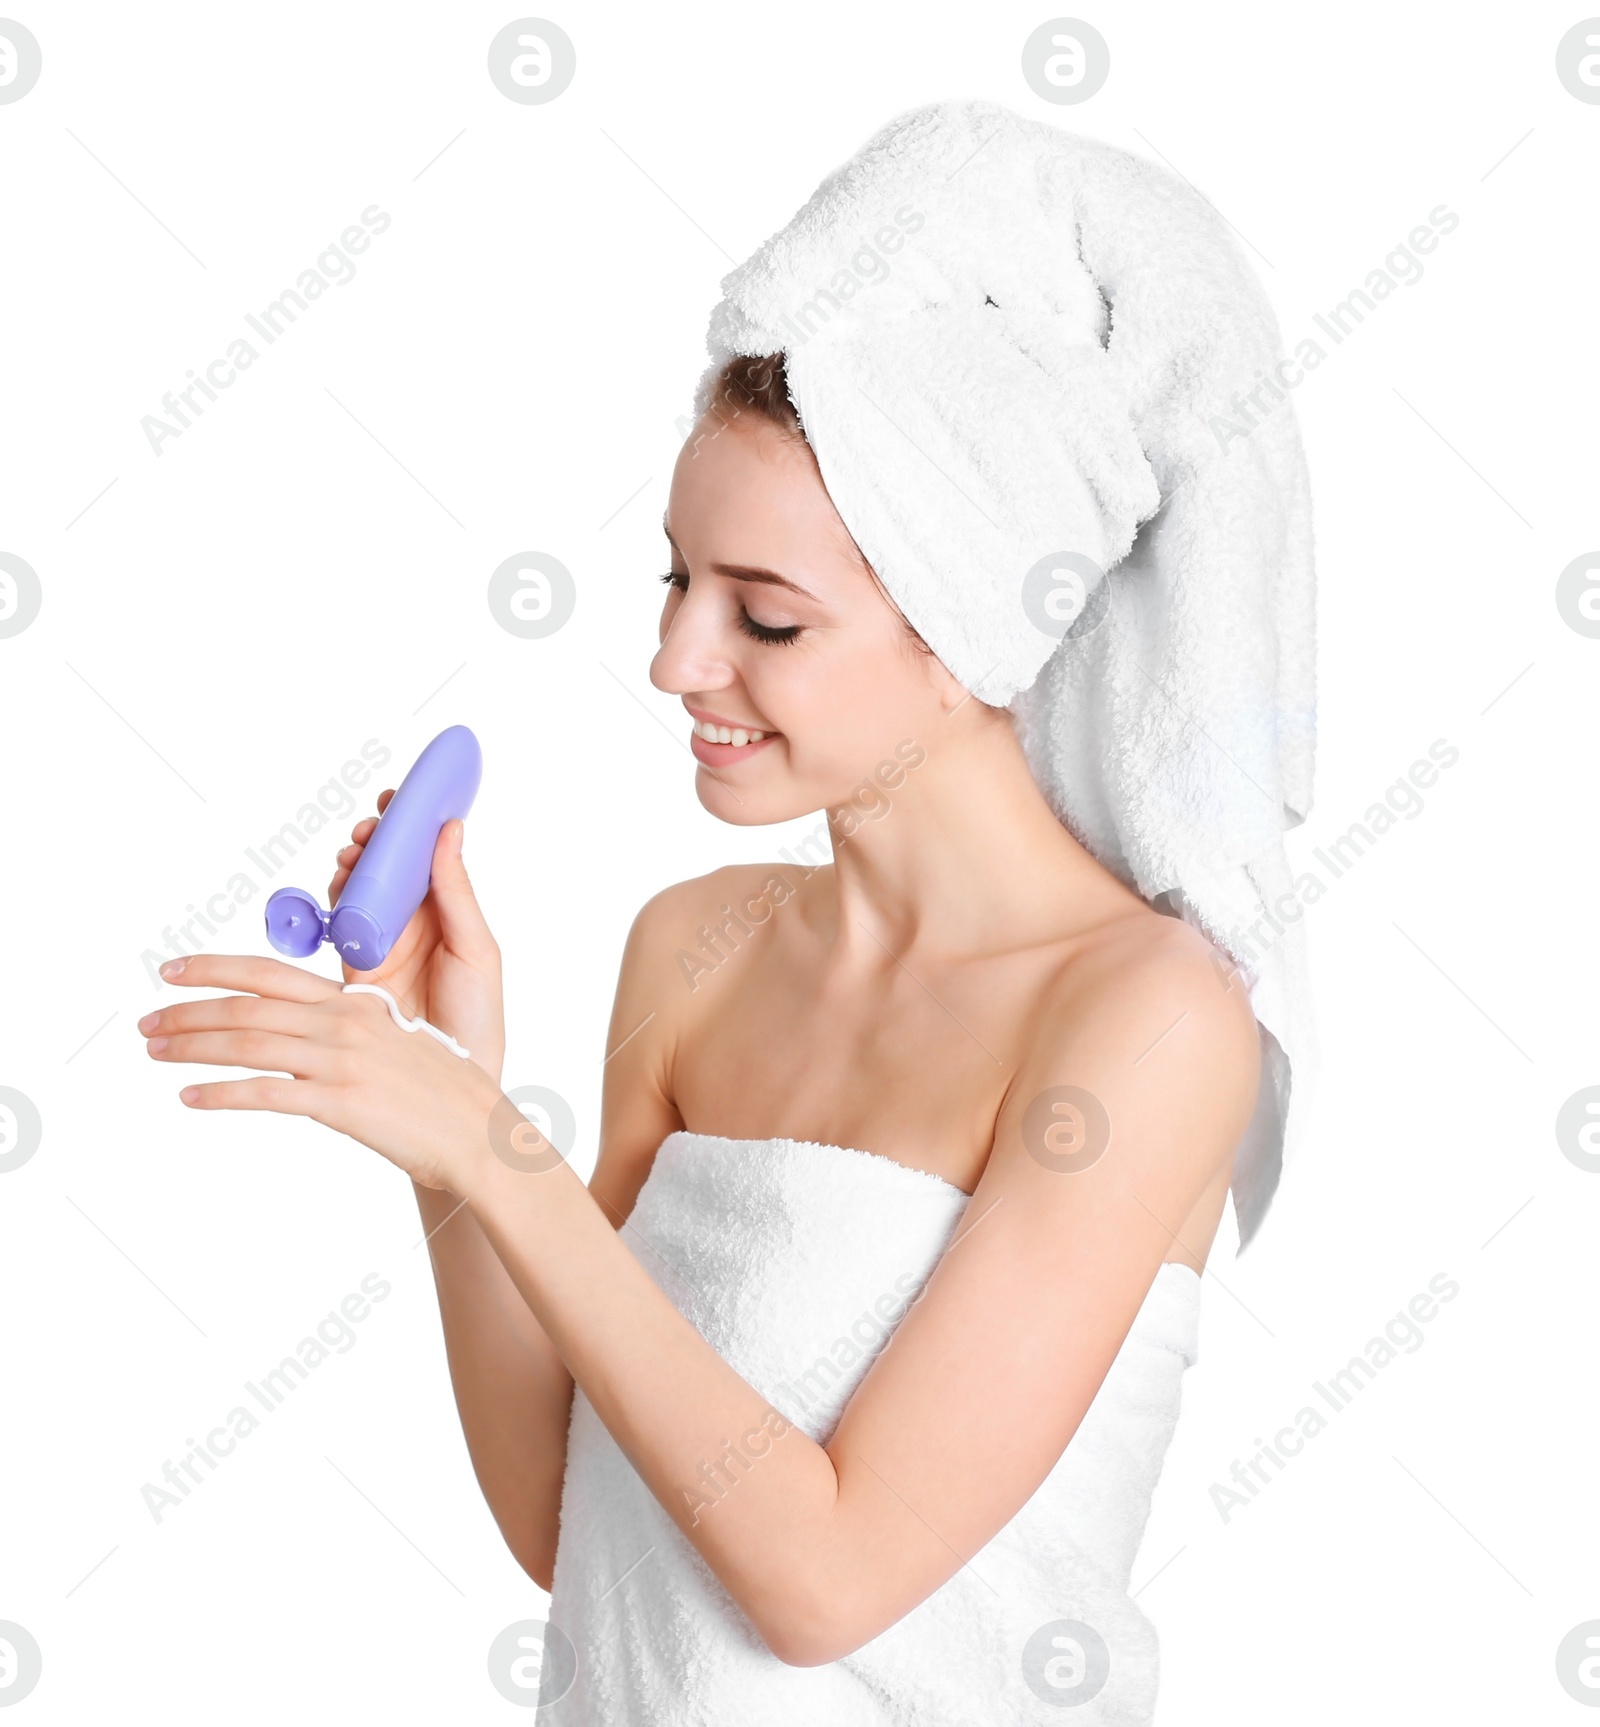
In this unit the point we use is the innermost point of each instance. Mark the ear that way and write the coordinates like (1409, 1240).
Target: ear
(949, 689)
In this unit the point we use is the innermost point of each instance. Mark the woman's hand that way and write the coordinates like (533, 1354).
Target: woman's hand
(352, 1068)
(445, 965)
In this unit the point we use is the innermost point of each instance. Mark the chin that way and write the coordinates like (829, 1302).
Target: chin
(749, 806)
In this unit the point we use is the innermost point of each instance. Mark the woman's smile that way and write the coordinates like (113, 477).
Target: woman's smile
(717, 741)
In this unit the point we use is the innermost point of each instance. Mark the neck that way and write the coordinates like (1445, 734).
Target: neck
(967, 856)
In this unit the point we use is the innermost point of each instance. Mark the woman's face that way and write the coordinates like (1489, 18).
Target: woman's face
(774, 623)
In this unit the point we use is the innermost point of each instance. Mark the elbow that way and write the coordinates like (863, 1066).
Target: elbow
(810, 1630)
(539, 1565)
(532, 1534)
(814, 1646)
(797, 1649)
(536, 1554)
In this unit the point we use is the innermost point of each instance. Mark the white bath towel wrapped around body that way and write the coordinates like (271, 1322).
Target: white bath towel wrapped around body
(795, 1261)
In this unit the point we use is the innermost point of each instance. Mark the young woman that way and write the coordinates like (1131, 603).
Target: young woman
(959, 1081)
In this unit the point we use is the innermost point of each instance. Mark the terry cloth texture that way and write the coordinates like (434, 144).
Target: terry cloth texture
(1014, 419)
(797, 1262)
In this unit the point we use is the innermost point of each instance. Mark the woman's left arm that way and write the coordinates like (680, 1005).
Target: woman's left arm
(985, 1379)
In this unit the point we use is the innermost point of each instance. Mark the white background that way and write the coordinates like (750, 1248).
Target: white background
(306, 568)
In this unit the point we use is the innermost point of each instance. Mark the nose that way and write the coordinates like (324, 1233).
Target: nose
(690, 657)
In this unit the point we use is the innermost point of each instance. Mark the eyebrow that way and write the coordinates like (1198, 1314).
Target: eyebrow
(744, 572)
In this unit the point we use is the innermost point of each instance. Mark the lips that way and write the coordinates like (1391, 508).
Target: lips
(715, 754)
(723, 755)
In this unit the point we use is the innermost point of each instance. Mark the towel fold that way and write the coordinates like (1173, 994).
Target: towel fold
(1014, 410)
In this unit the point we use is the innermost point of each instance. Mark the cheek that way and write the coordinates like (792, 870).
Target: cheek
(838, 702)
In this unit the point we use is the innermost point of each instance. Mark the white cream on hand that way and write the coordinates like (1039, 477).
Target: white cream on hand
(418, 1024)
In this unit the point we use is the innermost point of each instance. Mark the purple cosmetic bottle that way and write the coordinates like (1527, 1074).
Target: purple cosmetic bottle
(391, 876)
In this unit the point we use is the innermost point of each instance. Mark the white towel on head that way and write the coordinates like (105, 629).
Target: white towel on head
(1013, 351)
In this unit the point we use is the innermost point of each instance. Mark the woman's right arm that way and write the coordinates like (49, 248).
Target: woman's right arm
(512, 1389)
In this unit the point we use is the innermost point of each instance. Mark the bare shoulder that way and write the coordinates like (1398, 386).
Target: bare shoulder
(678, 938)
(656, 990)
(1154, 1022)
(727, 887)
(1154, 962)
(680, 932)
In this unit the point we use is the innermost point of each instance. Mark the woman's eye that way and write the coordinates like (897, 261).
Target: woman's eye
(774, 634)
(766, 632)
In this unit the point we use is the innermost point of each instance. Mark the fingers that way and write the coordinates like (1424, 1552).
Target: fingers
(345, 861)
(301, 1056)
(348, 856)
(249, 972)
(461, 918)
(233, 1013)
(283, 1096)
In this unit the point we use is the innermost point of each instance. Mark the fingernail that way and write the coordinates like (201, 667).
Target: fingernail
(173, 967)
(148, 1023)
(189, 1093)
(156, 1045)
